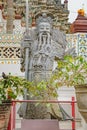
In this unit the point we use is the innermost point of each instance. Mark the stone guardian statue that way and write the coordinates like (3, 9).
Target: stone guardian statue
(46, 46)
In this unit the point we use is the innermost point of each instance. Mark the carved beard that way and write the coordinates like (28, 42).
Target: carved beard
(44, 39)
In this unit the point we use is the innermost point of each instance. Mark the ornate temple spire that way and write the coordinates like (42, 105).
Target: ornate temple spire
(53, 8)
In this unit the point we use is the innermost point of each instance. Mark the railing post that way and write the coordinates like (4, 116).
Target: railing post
(73, 113)
(9, 123)
(14, 114)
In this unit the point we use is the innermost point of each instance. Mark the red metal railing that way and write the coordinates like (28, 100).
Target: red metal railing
(11, 125)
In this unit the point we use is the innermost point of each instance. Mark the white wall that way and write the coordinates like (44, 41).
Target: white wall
(14, 69)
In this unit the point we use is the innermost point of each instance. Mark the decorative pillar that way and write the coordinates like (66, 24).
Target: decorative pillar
(27, 13)
(10, 16)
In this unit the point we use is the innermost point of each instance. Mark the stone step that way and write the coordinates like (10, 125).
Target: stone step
(44, 129)
(18, 129)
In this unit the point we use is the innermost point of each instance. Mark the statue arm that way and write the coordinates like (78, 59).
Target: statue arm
(59, 37)
(71, 51)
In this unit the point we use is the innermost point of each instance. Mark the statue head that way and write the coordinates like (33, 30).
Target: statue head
(44, 27)
(44, 24)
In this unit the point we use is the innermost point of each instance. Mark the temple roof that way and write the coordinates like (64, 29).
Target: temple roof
(80, 23)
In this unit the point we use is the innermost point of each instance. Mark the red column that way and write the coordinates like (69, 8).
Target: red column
(73, 113)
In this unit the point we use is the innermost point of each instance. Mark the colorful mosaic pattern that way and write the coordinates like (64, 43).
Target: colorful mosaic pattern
(79, 40)
(18, 29)
(82, 44)
(10, 39)
(10, 46)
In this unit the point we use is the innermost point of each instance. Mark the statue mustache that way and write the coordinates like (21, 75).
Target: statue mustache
(44, 33)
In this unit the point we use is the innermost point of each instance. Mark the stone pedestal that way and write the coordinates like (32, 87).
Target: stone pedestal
(39, 124)
(81, 95)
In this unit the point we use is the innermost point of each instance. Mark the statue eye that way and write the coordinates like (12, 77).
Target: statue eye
(41, 28)
(47, 28)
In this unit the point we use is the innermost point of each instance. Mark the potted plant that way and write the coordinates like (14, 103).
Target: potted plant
(72, 71)
(10, 88)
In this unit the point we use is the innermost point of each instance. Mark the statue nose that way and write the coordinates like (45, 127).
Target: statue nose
(39, 64)
(39, 60)
(44, 32)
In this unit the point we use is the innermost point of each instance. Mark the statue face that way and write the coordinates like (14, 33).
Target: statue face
(44, 27)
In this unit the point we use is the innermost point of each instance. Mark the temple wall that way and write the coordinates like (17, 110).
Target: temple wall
(10, 46)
